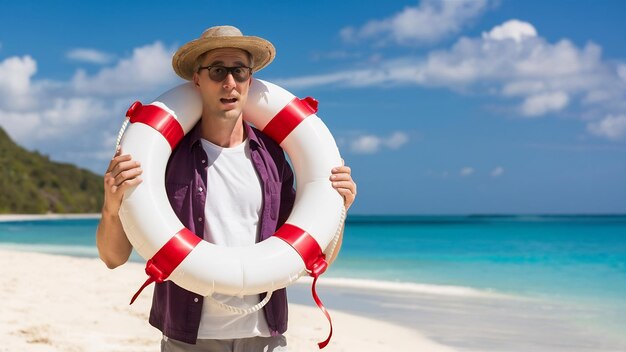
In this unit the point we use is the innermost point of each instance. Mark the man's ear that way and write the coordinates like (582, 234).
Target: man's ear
(196, 79)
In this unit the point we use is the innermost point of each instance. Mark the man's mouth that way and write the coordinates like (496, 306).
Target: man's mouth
(228, 101)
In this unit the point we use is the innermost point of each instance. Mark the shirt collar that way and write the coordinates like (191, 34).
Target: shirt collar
(196, 135)
(252, 135)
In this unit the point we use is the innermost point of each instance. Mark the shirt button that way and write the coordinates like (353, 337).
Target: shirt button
(200, 189)
(195, 299)
(203, 161)
(200, 219)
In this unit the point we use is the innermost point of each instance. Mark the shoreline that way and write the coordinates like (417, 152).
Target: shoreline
(405, 287)
(38, 217)
(333, 282)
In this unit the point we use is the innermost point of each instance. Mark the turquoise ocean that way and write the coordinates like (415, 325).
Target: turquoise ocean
(577, 260)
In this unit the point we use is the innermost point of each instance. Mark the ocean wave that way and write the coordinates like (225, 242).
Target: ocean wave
(68, 250)
(44, 217)
(408, 287)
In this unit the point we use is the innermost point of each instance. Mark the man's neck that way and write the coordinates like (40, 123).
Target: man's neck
(223, 132)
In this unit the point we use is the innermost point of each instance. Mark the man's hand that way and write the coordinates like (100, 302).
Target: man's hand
(114, 247)
(122, 173)
(343, 183)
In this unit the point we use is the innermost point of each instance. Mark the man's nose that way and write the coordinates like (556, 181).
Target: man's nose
(229, 81)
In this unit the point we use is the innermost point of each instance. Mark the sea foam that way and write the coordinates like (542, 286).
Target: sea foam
(407, 287)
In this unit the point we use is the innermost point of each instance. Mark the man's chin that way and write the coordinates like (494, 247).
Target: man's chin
(232, 114)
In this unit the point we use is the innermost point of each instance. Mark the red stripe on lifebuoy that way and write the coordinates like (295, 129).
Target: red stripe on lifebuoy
(314, 261)
(173, 252)
(159, 119)
(287, 119)
(306, 246)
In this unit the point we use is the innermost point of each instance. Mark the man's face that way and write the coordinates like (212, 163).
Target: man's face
(224, 99)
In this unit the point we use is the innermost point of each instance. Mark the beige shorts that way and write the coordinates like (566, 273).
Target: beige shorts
(264, 344)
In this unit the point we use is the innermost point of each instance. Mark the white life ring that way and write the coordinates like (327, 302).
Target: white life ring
(150, 223)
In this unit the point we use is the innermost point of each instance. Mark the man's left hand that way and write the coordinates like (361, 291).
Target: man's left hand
(342, 181)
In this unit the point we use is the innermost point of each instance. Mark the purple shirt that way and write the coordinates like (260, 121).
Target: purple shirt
(176, 311)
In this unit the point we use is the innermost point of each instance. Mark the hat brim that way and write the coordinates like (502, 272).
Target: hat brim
(184, 60)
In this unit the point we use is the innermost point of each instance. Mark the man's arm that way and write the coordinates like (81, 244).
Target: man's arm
(342, 181)
(113, 246)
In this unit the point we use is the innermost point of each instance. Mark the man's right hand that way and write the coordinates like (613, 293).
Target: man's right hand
(122, 173)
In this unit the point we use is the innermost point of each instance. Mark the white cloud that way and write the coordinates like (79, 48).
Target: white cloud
(56, 121)
(540, 104)
(515, 68)
(321, 80)
(397, 140)
(522, 67)
(83, 113)
(497, 172)
(93, 56)
(370, 144)
(510, 62)
(15, 81)
(19, 124)
(429, 21)
(611, 127)
(148, 68)
(367, 144)
(71, 113)
(466, 171)
(512, 29)
(621, 72)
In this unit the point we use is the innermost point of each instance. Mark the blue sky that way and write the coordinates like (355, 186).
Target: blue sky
(440, 107)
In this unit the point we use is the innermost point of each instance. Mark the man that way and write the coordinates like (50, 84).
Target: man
(226, 181)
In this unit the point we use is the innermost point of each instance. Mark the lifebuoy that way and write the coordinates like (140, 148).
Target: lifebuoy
(174, 253)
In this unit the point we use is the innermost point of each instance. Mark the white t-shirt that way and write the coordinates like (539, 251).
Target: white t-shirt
(233, 206)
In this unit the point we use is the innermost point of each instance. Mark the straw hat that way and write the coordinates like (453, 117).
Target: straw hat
(184, 60)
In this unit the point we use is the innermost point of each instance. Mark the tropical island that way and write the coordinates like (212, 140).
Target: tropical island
(30, 183)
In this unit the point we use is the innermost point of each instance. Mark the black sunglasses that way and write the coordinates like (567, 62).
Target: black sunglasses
(219, 73)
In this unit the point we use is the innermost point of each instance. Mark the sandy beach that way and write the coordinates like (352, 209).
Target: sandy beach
(68, 304)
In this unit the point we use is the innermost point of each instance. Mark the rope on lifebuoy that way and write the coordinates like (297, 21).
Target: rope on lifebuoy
(257, 307)
(242, 311)
(120, 134)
